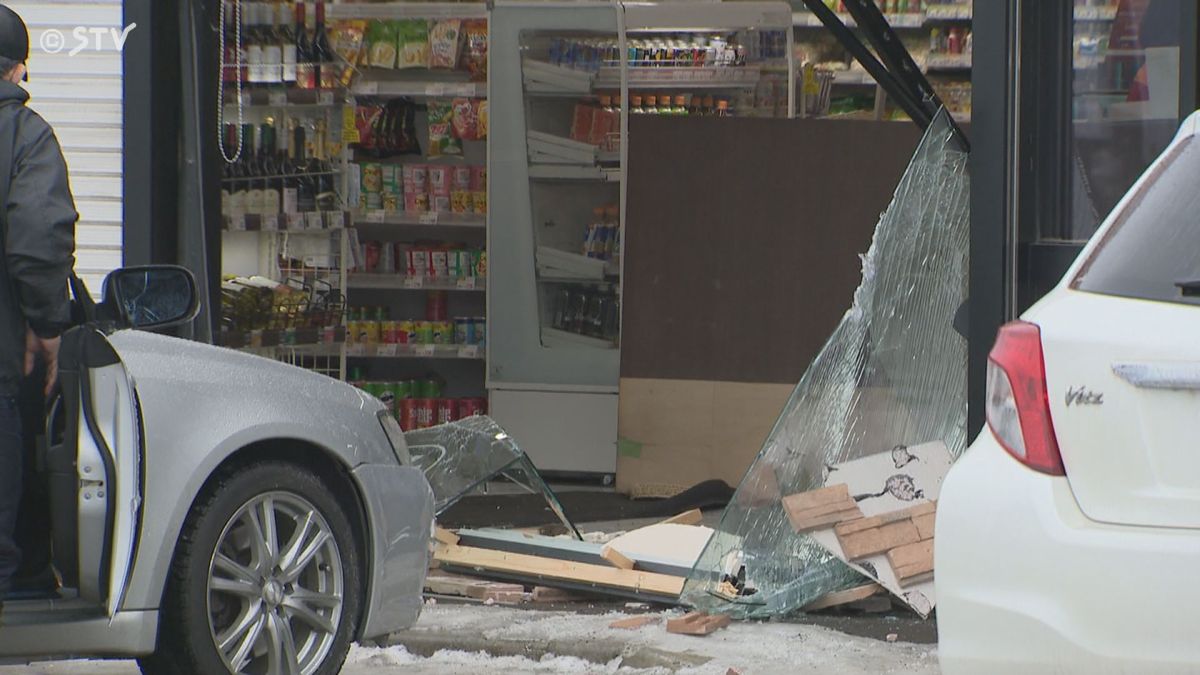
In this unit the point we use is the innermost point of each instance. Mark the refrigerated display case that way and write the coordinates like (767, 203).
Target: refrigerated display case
(565, 78)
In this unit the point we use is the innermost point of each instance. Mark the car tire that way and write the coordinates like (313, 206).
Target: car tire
(294, 599)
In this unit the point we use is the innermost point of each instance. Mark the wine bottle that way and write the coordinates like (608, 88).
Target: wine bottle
(252, 43)
(306, 193)
(327, 198)
(250, 171)
(287, 46)
(271, 198)
(272, 45)
(288, 166)
(305, 68)
(227, 172)
(325, 60)
(239, 186)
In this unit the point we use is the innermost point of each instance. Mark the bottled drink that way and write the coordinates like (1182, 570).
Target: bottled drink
(291, 183)
(325, 60)
(287, 47)
(252, 43)
(651, 104)
(249, 172)
(322, 168)
(306, 191)
(680, 105)
(305, 68)
(228, 174)
(635, 105)
(272, 45)
(272, 189)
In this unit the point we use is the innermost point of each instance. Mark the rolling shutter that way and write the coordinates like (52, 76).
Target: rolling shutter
(81, 97)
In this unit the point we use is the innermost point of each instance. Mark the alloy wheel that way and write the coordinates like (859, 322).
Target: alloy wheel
(275, 588)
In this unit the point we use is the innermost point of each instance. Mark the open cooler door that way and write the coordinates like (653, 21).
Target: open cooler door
(104, 424)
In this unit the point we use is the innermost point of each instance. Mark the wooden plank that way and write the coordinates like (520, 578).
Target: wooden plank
(925, 525)
(447, 585)
(824, 522)
(885, 518)
(923, 509)
(492, 588)
(635, 622)
(843, 597)
(912, 554)
(822, 510)
(445, 536)
(698, 623)
(813, 498)
(615, 558)
(913, 575)
(877, 540)
(536, 567)
(693, 517)
(554, 595)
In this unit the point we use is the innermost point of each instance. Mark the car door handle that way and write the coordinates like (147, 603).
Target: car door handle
(1182, 376)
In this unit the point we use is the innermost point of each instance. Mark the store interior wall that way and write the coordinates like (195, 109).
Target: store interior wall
(743, 248)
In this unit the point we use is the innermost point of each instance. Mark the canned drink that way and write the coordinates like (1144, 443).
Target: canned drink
(426, 412)
(401, 391)
(408, 414)
(369, 332)
(443, 332)
(447, 410)
(406, 332)
(460, 178)
(388, 332)
(424, 332)
(471, 406)
(429, 387)
(351, 332)
(372, 177)
(464, 330)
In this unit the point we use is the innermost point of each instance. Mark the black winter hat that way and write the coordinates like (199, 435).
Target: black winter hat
(14, 36)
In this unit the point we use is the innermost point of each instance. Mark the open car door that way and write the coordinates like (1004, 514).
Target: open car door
(94, 469)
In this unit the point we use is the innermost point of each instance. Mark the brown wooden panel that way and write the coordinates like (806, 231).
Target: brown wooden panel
(743, 237)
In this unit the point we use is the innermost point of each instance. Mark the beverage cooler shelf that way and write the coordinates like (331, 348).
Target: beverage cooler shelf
(419, 89)
(406, 351)
(400, 282)
(409, 10)
(311, 221)
(553, 337)
(703, 77)
(430, 219)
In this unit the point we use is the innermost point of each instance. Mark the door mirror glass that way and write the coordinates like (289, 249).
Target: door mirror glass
(152, 297)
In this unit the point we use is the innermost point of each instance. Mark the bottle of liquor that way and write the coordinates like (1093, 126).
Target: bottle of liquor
(287, 164)
(322, 168)
(272, 197)
(324, 57)
(305, 67)
(252, 44)
(306, 191)
(228, 170)
(249, 171)
(287, 46)
(240, 186)
(272, 45)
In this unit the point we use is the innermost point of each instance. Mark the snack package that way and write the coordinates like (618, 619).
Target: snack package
(466, 119)
(444, 43)
(441, 130)
(413, 43)
(475, 48)
(349, 40)
(382, 43)
(366, 119)
(481, 112)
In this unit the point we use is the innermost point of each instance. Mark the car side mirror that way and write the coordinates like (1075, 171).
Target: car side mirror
(155, 296)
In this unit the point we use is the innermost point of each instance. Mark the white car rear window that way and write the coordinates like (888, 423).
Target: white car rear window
(1153, 250)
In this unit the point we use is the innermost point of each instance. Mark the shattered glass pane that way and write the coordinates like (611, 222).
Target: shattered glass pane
(461, 456)
(893, 373)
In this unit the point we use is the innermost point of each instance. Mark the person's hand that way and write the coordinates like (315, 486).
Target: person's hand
(48, 350)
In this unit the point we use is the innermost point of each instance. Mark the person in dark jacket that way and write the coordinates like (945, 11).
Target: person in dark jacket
(37, 254)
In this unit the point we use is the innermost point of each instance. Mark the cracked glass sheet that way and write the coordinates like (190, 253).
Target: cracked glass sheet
(892, 373)
(460, 457)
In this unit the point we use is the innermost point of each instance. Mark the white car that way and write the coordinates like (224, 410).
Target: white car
(1068, 535)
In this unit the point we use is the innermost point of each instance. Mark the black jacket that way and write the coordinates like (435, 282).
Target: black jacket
(37, 232)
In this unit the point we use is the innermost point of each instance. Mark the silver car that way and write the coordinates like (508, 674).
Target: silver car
(214, 511)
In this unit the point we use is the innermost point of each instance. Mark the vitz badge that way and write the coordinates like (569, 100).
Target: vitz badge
(1083, 396)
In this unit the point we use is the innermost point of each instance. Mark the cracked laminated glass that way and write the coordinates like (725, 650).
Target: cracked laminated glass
(892, 373)
(460, 457)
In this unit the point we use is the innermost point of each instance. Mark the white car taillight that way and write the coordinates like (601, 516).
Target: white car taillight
(1018, 408)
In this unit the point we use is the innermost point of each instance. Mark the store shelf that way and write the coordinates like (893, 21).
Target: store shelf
(1095, 13)
(312, 221)
(432, 219)
(396, 282)
(948, 12)
(553, 337)
(907, 20)
(397, 351)
(948, 62)
(418, 88)
(853, 78)
(407, 10)
(285, 98)
(739, 77)
(573, 173)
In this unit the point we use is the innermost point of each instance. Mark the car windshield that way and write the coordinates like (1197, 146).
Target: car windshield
(1154, 247)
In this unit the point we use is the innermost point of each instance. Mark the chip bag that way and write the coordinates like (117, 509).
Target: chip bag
(441, 130)
(466, 119)
(444, 43)
(475, 50)
(413, 43)
(382, 44)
